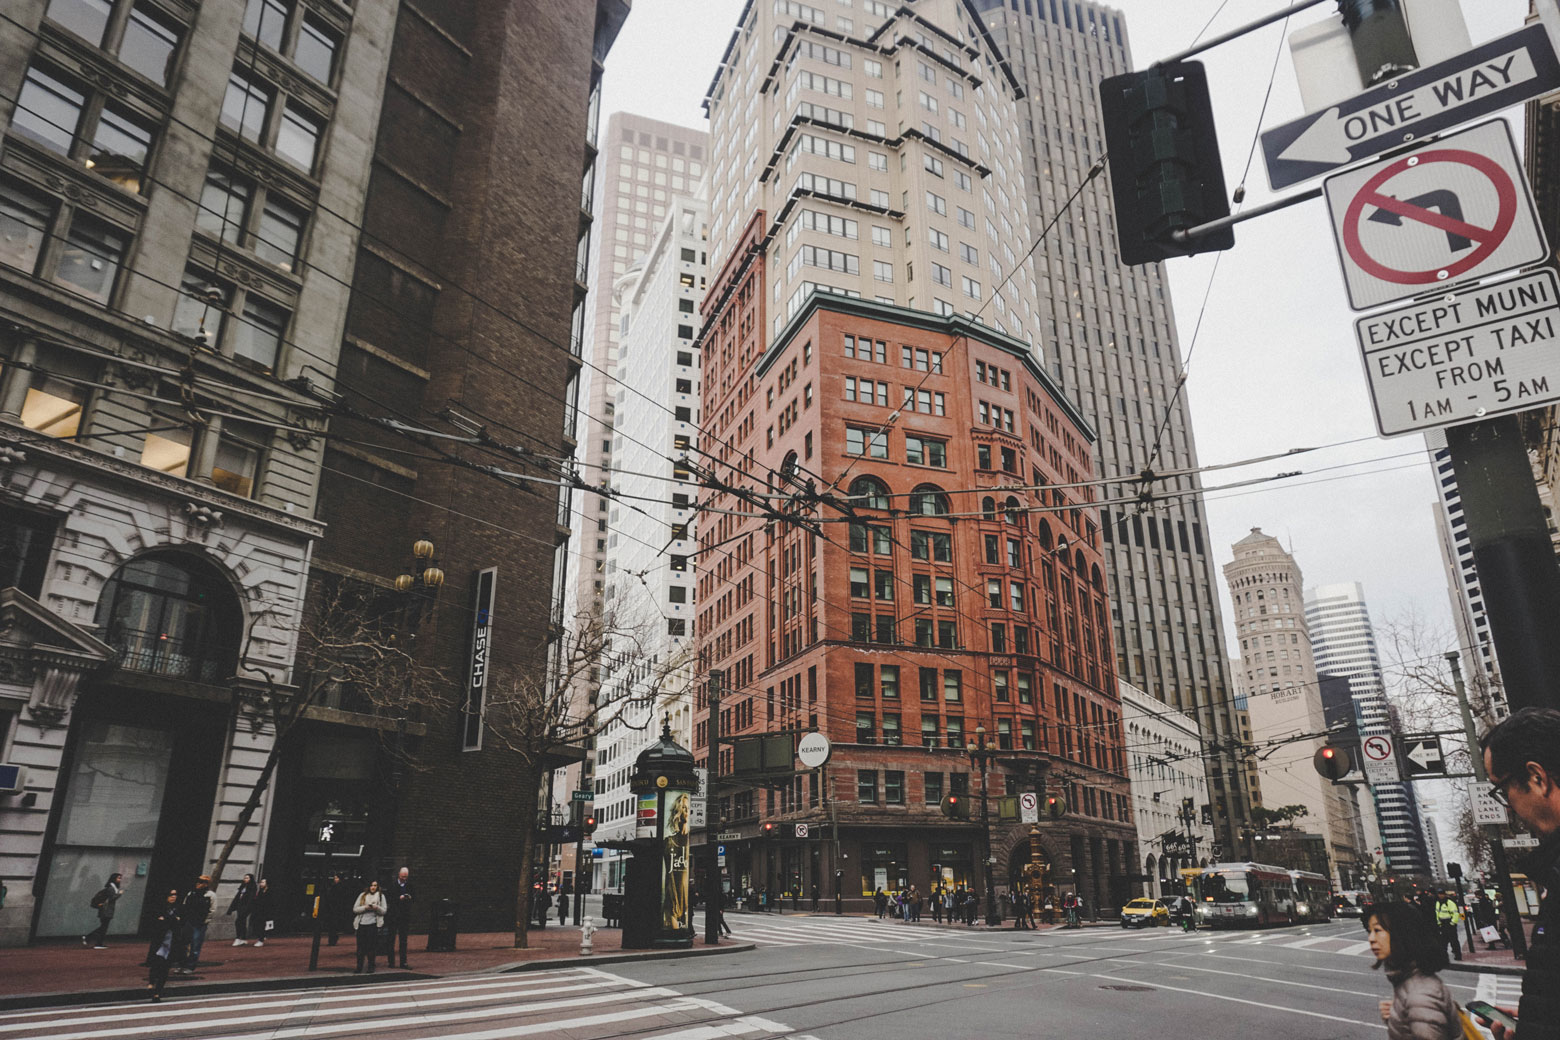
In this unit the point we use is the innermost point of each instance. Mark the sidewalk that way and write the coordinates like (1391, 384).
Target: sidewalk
(56, 973)
(1499, 961)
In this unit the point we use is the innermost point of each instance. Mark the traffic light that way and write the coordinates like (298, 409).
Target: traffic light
(955, 807)
(1332, 763)
(767, 830)
(588, 823)
(1164, 161)
(1055, 806)
(1454, 870)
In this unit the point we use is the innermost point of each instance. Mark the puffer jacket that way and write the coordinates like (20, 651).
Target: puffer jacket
(1422, 1008)
(1539, 1012)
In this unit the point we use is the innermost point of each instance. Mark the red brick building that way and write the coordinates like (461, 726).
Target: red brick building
(953, 581)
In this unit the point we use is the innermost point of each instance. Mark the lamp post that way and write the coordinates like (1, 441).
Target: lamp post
(980, 757)
(416, 592)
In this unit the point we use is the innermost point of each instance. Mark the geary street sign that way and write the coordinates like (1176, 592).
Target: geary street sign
(1478, 352)
(1480, 81)
(1455, 210)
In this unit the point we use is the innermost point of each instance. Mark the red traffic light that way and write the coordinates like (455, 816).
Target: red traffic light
(1328, 752)
(590, 824)
(768, 829)
(1332, 763)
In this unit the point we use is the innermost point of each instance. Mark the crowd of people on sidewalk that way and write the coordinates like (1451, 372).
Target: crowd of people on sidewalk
(378, 919)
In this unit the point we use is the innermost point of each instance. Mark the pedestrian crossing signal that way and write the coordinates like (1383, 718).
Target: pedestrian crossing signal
(955, 807)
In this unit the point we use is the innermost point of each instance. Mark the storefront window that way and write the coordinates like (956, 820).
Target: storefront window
(952, 865)
(885, 866)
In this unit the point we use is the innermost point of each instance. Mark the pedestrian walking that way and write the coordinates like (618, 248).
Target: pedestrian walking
(563, 907)
(916, 899)
(1522, 760)
(166, 931)
(971, 901)
(103, 902)
(368, 914)
(198, 906)
(815, 898)
(542, 899)
(1020, 910)
(400, 899)
(1485, 917)
(1412, 953)
(242, 909)
(263, 912)
(1448, 915)
(880, 903)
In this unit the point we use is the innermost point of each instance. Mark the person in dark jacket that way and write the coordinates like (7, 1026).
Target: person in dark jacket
(103, 902)
(263, 911)
(199, 905)
(166, 941)
(400, 898)
(1522, 761)
(336, 906)
(241, 909)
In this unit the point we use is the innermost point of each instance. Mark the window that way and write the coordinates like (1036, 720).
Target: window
(1026, 683)
(883, 586)
(676, 626)
(866, 727)
(53, 406)
(224, 206)
(881, 236)
(942, 276)
(998, 637)
(281, 230)
(266, 20)
(858, 583)
(873, 444)
(921, 451)
(938, 239)
(999, 685)
(149, 44)
(936, 203)
(863, 680)
(928, 679)
(25, 543)
(258, 337)
(315, 52)
(89, 262)
(245, 107)
(953, 688)
(24, 220)
(994, 593)
(928, 500)
(50, 111)
(1016, 597)
(86, 18)
(868, 493)
(298, 138)
(169, 614)
(866, 784)
(921, 587)
(882, 271)
(893, 786)
(891, 734)
(931, 545)
(944, 592)
(237, 461)
(888, 677)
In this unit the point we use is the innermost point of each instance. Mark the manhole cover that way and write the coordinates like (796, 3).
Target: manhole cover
(1131, 989)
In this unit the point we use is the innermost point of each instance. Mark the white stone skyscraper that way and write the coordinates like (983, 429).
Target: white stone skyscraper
(1344, 644)
(1108, 334)
(1463, 589)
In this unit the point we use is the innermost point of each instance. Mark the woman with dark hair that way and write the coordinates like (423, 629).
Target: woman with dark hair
(1408, 947)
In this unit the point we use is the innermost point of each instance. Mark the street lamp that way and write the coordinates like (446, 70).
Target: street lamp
(981, 756)
(419, 587)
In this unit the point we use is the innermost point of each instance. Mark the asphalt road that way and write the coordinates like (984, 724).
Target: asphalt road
(840, 979)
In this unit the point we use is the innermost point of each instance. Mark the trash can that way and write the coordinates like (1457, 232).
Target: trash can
(443, 926)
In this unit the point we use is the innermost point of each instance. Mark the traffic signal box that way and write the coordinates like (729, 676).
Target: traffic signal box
(1333, 763)
(956, 806)
(1164, 161)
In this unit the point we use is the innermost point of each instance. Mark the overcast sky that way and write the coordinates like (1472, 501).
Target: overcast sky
(1274, 365)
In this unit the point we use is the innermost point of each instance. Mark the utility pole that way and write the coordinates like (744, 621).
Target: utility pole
(1508, 897)
(1506, 529)
(834, 829)
(714, 897)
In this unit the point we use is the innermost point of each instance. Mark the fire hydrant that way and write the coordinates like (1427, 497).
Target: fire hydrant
(587, 929)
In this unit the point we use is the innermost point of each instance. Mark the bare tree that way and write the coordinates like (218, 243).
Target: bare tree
(536, 713)
(349, 655)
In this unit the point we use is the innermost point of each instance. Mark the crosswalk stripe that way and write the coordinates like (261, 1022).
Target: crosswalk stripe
(1301, 944)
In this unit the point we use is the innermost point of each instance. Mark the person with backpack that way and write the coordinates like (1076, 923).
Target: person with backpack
(242, 910)
(103, 902)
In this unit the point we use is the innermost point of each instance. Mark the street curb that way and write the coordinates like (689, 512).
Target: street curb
(137, 994)
(1487, 969)
(625, 958)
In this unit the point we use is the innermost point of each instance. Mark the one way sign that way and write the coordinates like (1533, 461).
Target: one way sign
(1487, 78)
(1422, 755)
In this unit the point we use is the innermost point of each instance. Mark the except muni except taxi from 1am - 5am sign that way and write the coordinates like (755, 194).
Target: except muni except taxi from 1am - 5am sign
(1451, 211)
(1479, 352)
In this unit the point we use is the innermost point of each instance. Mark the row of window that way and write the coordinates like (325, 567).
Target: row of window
(921, 359)
(935, 734)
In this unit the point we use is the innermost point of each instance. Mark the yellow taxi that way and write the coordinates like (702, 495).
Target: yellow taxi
(1145, 913)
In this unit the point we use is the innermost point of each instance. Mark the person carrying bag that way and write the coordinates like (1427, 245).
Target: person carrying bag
(1411, 951)
(368, 914)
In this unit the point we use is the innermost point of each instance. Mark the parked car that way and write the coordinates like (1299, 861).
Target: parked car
(1343, 906)
(1145, 913)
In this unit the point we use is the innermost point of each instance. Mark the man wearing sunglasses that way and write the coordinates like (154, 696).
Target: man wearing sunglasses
(1522, 760)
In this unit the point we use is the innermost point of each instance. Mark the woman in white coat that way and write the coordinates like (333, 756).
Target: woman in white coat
(368, 914)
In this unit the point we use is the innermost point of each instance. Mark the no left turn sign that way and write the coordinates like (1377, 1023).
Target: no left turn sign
(1451, 211)
(1377, 749)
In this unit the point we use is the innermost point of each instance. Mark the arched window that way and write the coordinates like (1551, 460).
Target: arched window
(929, 500)
(172, 614)
(868, 493)
(1095, 579)
(988, 508)
(1080, 563)
(1012, 511)
(1045, 536)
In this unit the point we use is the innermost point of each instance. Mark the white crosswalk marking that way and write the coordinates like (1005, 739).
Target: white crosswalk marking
(578, 1002)
(808, 931)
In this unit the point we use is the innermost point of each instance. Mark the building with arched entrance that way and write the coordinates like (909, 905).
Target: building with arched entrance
(1169, 791)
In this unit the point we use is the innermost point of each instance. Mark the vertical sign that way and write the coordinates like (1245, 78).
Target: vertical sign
(475, 701)
(676, 910)
(698, 809)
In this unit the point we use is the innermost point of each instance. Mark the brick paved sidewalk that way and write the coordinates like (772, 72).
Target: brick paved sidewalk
(57, 973)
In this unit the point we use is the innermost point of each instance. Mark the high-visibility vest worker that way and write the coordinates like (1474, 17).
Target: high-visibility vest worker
(1446, 911)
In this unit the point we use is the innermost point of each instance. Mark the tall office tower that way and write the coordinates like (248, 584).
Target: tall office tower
(1344, 644)
(644, 164)
(1463, 590)
(866, 199)
(1433, 848)
(1284, 698)
(649, 573)
(1109, 337)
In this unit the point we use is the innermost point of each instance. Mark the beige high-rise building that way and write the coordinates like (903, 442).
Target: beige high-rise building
(1284, 699)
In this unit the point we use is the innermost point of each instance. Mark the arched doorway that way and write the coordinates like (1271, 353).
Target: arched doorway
(146, 744)
(1031, 868)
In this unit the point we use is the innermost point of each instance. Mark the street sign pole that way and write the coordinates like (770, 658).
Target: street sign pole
(714, 894)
